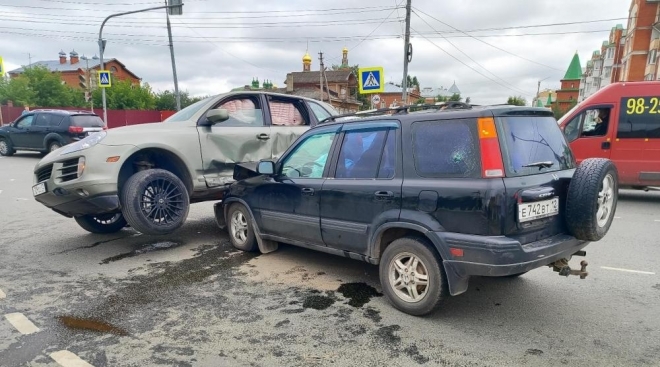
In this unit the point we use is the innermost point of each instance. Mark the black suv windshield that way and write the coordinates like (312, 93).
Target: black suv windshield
(533, 144)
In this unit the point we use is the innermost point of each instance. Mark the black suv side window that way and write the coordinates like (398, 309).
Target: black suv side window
(447, 148)
(25, 122)
(360, 153)
(43, 119)
(56, 120)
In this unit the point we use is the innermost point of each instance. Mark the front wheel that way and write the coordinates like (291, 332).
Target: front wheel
(411, 277)
(102, 223)
(6, 149)
(239, 224)
(155, 202)
(53, 146)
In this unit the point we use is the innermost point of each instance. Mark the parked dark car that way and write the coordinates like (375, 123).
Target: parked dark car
(433, 198)
(47, 130)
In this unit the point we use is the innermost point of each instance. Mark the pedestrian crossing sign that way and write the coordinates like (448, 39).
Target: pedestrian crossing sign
(104, 79)
(371, 80)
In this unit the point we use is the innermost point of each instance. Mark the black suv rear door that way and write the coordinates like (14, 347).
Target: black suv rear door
(538, 166)
(365, 189)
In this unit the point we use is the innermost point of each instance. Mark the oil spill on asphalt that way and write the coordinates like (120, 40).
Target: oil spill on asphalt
(76, 323)
(386, 335)
(318, 302)
(413, 352)
(534, 352)
(657, 286)
(151, 247)
(358, 293)
(372, 314)
(94, 244)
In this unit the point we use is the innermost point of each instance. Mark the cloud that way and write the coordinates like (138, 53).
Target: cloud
(218, 48)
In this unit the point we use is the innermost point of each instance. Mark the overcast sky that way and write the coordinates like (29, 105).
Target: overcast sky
(224, 44)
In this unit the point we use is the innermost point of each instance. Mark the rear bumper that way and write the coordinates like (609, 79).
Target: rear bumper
(499, 256)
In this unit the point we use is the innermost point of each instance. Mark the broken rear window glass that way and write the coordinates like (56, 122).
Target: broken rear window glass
(446, 148)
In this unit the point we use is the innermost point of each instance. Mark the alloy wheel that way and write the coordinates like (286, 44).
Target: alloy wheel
(162, 202)
(239, 227)
(605, 201)
(4, 148)
(409, 277)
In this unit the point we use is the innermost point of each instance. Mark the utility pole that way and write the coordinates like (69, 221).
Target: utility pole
(321, 77)
(29, 60)
(406, 54)
(176, 81)
(538, 88)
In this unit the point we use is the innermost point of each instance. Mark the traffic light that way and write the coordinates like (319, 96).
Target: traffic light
(83, 81)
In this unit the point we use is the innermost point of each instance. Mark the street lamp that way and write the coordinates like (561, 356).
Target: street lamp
(174, 9)
(88, 81)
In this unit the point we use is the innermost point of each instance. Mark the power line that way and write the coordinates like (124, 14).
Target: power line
(469, 66)
(203, 12)
(482, 41)
(468, 56)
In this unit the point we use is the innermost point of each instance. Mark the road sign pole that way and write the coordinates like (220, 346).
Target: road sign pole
(102, 46)
(176, 81)
(404, 84)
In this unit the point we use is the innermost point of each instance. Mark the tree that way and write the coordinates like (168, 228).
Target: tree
(166, 101)
(123, 95)
(441, 98)
(421, 101)
(455, 97)
(18, 91)
(517, 101)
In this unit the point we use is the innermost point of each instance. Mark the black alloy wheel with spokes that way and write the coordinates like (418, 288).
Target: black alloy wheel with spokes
(155, 202)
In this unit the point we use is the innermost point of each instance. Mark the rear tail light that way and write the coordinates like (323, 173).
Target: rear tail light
(76, 129)
(491, 155)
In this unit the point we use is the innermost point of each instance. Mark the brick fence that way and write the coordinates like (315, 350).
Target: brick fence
(116, 118)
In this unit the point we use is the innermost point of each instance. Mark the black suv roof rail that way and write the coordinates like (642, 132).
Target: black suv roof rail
(70, 112)
(441, 106)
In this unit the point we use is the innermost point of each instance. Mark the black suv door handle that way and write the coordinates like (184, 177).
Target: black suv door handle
(307, 191)
(384, 194)
(263, 136)
(606, 145)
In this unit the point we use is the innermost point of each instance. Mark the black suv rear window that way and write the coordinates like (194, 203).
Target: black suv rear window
(446, 148)
(528, 140)
(86, 121)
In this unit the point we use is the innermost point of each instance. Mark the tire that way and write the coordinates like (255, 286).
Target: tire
(592, 199)
(53, 146)
(404, 251)
(103, 223)
(155, 202)
(6, 149)
(239, 226)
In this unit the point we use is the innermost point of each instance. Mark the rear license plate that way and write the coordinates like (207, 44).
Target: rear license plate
(538, 209)
(39, 189)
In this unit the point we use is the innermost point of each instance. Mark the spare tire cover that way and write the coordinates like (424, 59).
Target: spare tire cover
(592, 199)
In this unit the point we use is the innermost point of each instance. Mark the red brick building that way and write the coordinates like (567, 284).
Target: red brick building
(641, 41)
(70, 70)
(570, 85)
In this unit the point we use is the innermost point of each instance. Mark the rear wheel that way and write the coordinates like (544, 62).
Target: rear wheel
(53, 146)
(411, 277)
(6, 149)
(155, 202)
(102, 223)
(592, 199)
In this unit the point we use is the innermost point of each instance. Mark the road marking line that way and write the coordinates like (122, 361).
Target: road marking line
(2, 294)
(628, 270)
(657, 220)
(68, 359)
(21, 323)
(617, 217)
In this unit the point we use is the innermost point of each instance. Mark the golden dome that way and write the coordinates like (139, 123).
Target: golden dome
(345, 50)
(307, 58)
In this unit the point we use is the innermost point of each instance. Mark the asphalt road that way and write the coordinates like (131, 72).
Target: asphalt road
(190, 299)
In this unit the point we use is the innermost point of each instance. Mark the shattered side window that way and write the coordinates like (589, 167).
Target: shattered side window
(446, 148)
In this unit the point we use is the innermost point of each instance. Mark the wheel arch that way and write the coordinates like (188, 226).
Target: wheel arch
(51, 137)
(155, 157)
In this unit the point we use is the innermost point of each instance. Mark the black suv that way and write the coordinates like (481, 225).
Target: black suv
(433, 197)
(47, 130)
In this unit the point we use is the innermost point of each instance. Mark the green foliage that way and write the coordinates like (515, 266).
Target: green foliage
(421, 101)
(517, 101)
(456, 97)
(123, 95)
(38, 87)
(166, 101)
(441, 98)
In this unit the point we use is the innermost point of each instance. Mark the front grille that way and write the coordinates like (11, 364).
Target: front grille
(44, 173)
(69, 170)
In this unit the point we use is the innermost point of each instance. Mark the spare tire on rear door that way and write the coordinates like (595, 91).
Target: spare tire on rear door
(592, 199)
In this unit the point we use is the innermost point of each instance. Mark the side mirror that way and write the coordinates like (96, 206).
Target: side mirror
(266, 168)
(217, 115)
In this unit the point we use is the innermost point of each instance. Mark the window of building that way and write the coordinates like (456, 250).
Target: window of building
(113, 69)
(653, 54)
(446, 148)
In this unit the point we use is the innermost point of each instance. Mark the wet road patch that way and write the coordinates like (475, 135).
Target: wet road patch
(318, 302)
(77, 323)
(358, 293)
(151, 247)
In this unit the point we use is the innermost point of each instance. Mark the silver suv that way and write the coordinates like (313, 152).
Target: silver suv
(147, 175)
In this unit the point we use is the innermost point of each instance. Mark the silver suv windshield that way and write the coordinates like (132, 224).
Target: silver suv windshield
(188, 112)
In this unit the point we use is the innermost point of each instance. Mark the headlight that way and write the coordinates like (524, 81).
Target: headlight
(88, 142)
